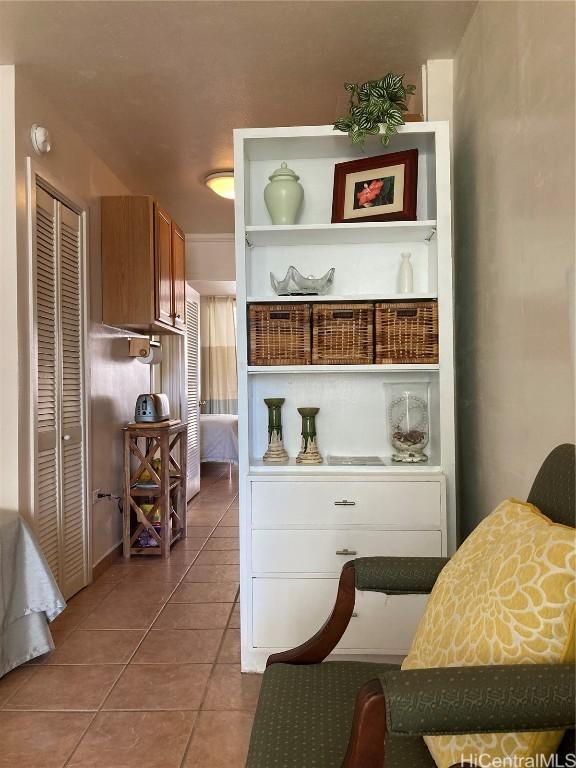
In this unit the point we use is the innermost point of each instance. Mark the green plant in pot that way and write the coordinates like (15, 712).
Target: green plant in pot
(376, 106)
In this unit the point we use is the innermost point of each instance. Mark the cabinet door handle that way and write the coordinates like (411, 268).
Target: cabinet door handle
(354, 615)
(178, 316)
(66, 437)
(344, 503)
(346, 551)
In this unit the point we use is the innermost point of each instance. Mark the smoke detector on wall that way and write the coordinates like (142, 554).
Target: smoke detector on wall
(40, 138)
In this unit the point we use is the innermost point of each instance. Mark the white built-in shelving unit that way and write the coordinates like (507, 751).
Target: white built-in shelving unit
(294, 537)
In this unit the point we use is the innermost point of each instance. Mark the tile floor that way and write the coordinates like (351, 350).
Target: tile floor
(146, 668)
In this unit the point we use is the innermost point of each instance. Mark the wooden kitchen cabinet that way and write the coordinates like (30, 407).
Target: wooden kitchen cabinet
(143, 266)
(179, 275)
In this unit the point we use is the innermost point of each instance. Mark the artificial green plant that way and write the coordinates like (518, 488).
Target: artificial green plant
(376, 105)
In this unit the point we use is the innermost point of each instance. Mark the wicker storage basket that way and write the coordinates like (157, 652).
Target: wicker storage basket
(342, 334)
(279, 334)
(407, 332)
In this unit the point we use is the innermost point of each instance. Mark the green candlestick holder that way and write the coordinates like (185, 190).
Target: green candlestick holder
(309, 453)
(275, 453)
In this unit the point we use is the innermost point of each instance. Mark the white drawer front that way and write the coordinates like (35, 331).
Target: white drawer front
(326, 551)
(403, 503)
(286, 612)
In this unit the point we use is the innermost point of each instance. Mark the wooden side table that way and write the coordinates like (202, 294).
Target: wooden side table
(165, 490)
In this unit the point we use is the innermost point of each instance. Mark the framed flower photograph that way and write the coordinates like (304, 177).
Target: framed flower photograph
(379, 188)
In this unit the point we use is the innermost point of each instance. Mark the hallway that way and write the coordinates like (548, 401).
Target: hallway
(146, 669)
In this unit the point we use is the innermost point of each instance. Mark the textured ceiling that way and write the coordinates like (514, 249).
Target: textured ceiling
(156, 88)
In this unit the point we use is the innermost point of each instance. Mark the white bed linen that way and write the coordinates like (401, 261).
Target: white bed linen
(29, 596)
(219, 437)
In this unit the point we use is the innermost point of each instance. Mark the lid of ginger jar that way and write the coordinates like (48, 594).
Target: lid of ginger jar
(283, 173)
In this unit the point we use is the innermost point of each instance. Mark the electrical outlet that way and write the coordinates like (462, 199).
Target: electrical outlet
(95, 498)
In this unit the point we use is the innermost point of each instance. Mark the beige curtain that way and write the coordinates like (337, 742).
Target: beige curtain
(219, 380)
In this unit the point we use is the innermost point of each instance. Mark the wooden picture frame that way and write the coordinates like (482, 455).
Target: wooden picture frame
(381, 188)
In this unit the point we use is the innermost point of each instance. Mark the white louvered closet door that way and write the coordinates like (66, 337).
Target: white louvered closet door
(60, 507)
(47, 490)
(193, 391)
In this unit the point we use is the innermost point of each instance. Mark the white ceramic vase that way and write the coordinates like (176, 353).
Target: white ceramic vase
(283, 196)
(406, 274)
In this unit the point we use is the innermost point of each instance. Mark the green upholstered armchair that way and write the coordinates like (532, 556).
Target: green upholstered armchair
(366, 715)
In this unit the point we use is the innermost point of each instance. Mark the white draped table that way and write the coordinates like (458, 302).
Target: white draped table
(29, 596)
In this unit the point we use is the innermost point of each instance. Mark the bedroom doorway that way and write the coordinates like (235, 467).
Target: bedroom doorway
(219, 378)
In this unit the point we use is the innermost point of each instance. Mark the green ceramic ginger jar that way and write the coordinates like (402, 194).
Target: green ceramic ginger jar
(283, 195)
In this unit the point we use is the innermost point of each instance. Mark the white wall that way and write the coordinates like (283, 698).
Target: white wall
(8, 301)
(116, 380)
(210, 257)
(514, 224)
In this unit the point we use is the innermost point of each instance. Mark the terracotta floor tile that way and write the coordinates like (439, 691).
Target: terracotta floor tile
(226, 531)
(230, 689)
(134, 740)
(194, 616)
(220, 543)
(179, 646)
(120, 613)
(226, 557)
(168, 677)
(157, 571)
(205, 516)
(68, 687)
(160, 686)
(198, 592)
(59, 636)
(192, 542)
(14, 680)
(214, 501)
(71, 617)
(40, 739)
(96, 646)
(93, 594)
(199, 531)
(183, 555)
(220, 740)
(218, 573)
(235, 618)
(230, 519)
(230, 651)
(153, 591)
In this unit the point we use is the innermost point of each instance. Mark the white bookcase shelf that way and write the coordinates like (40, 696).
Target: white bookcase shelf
(257, 466)
(330, 298)
(350, 369)
(292, 519)
(342, 234)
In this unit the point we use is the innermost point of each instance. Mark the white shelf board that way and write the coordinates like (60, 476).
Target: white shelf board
(257, 467)
(384, 368)
(332, 234)
(330, 297)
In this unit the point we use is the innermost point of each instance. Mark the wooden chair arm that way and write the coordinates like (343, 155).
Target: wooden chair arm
(367, 744)
(318, 647)
(366, 747)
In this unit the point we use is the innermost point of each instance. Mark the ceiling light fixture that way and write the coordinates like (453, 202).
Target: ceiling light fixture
(221, 182)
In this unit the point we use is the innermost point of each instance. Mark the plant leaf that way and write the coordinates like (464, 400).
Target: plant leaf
(343, 124)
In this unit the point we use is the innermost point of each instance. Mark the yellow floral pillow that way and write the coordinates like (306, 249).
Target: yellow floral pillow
(506, 597)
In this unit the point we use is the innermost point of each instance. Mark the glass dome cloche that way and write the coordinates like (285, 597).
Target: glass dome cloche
(408, 427)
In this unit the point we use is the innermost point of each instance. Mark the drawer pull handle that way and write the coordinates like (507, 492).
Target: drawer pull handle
(344, 503)
(354, 615)
(346, 551)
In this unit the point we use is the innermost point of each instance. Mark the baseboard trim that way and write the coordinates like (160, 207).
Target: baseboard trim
(105, 563)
